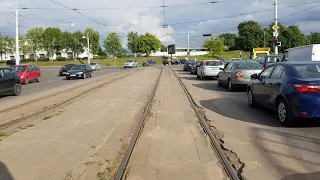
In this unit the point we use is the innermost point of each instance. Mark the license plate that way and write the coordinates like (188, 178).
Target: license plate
(64, 73)
(73, 75)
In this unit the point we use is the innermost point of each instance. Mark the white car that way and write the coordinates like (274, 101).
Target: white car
(131, 63)
(95, 66)
(209, 68)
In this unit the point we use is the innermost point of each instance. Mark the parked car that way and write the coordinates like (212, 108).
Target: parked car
(237, 74)
(28, 73)
(209, 68)
(194, 67)
(11, 63)
(187, 66)
(268, 60)
(63, 71)
(290, 88)
(95, 66)
(131, 63)
(149, 63)
(10, 82)
(182, 61)
(80, 71)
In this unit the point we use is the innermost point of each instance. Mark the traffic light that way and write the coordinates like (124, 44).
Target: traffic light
(274, 43)
(277, 43)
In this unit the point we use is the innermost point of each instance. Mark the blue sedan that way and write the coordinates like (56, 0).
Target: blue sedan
(290, 88)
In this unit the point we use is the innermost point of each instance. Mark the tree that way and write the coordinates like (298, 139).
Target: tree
(314, 38)
(24, 45)
(94, 38)
(229, 39)
(133, 42)
(292, 37)
(112, 44)
(35, 39)
(6, 45)
(78, 43)
(250, 35)
(148, 43)
(214, 46)
(52, 40)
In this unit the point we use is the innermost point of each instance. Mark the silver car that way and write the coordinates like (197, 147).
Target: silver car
(209, 68)
(95, 66)
(131, 63)
(238, 73)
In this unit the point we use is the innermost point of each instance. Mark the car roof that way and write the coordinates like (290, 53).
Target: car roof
(23, 65)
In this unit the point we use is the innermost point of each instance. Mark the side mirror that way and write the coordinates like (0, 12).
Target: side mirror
(221, 68)
(254, 76)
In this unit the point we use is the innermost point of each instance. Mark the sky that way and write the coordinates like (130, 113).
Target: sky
(123, 16)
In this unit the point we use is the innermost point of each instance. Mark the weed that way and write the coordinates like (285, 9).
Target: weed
(2, 134)
(30, 125)
(47, 117)
(68, 176)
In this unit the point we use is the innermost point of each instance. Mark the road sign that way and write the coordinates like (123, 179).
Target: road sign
(275, 27)
(275, 33)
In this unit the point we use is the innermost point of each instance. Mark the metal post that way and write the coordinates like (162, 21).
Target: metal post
(276, 23)
(188, 44)
(88, 39)
(264, 38)
(17, 37)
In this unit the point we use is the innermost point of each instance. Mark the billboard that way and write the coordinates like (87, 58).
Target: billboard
(172, 49)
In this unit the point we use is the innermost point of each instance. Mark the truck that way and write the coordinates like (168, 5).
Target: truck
(170, 60)
(303, 53)
(258, 52)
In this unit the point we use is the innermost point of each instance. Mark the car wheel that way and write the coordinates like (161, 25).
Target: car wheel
(84, 76)
(68, 78)
(218, 82)
(27, 80)
(201, 77)
(16, 90)
(39, 78)
(230, 86)
(251, 101)
(91, 74)
(284, 114)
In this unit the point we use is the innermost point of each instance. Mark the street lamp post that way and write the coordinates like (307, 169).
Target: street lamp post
(88, 41)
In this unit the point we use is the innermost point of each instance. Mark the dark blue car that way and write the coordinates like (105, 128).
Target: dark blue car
(290, 88)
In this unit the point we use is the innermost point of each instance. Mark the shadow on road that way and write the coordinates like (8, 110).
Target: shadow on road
(289, 151)
(214, 87)
(4, 172)
(305, 176)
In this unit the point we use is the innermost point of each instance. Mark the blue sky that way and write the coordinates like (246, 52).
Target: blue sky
(127, 17)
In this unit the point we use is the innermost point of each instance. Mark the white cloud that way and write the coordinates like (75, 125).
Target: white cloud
(151, 19)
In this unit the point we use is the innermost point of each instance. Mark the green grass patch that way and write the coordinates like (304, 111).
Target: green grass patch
(2, 134)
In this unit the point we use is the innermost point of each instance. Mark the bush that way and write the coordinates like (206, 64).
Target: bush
(27, 60)
(100, 57)
(43, 59)
(61, 59)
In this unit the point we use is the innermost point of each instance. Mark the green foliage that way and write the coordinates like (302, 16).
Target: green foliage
(61, 59)
(250, 35)
(229, 39)
(133, 42)
(52, 40)
(112, 43)
(314, 38)
(94, 38)
(35, 39)
(148, 43)
(214, 46)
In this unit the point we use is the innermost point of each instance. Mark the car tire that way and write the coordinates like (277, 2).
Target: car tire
(39, 78)
(68, 78)
(219, 82)
(230, 86)
(27, 80)
(251, 101)
(84, 76)
(285, 116)
(201, 77)
(91, 74)
(198, 77)
(16, 89)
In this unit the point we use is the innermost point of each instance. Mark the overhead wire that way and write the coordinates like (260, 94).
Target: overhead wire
(290, 15)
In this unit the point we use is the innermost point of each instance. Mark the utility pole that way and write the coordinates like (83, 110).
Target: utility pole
(264, 38)
(17, 36)
(276, 24)
(188, 50)
(88, 39)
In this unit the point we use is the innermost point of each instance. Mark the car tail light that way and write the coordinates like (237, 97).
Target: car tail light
(302, 88)
(239, 74)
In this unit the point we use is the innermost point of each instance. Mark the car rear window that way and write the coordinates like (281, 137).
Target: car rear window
(213, 63)
(248, 65)
(308, 71)
(20, 68)
(190, 62)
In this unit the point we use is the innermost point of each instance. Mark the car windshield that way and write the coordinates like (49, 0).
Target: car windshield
(69, 66)
(198, 63)
(274, 59)
(129, 61)
(213, 63)
(308, 71)
(20, 68)
(78, 67)
(248, 65)
(190, 62)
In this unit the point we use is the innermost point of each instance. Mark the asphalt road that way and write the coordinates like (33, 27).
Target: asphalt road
(265, 147)
(50, 79)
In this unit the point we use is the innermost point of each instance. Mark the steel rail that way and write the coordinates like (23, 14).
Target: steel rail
(135, 137)
(231, 172)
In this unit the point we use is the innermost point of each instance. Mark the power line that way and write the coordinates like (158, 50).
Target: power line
(135, 7)
(237, 15)
(300, 11)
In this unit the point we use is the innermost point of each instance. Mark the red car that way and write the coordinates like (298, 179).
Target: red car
(28, 72)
